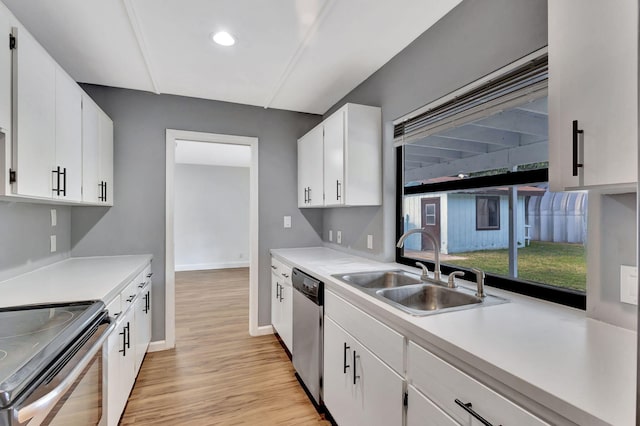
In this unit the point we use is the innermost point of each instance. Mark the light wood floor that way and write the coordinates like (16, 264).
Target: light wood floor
(218, 374)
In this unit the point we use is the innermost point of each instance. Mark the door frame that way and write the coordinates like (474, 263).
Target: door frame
(170, 306)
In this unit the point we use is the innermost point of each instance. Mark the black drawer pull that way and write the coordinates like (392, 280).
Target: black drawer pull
(277, 290)
(576, 132)
(355, 357)
(149, 274)
(468, 408)
(344, 359)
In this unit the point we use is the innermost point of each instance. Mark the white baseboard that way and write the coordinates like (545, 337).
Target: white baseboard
(158, 345)
(262, 331)
(216, 265)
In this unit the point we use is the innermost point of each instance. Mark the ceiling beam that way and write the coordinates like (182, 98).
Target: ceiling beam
(293, 62)
(142, 44)
(453, 144)
(517, 121)
(484, 135)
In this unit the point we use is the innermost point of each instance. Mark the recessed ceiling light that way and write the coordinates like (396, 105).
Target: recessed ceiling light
(223, 38)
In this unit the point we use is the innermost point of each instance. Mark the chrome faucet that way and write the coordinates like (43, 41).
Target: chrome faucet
(436, 247)
(479, 281)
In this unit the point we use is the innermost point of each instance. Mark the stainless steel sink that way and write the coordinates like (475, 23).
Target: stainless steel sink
(428, 297)
(409, 293)
(380, 279)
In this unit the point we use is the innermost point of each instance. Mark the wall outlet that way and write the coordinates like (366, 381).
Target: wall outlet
(54, 217)
(53, 244)
(370, 242)
(629, 284)
(287, 221)
(339, 237)
(330, 235)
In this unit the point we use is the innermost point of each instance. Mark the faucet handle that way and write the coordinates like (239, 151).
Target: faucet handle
(425, 270)
(452, 278)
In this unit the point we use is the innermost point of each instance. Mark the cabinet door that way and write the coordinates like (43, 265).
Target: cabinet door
(334, 127)
(276, 306)
(34, 109)
(106, 156)
(90, 150)
(310, 169)
(286, 315)
(338, 388)
(419, 408)
(68, 138)
(5, 72)
(378, 390)
(140, 331)
(593, 78)
(116, 352)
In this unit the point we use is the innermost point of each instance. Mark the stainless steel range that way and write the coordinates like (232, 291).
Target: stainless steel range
(51, 363)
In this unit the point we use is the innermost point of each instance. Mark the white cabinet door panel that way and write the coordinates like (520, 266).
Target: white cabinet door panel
(106, 155)
(68, 136)
(90, 150)
(420, 408)
(334, 158)
(34, 109)
(286, 315)
(310, 169)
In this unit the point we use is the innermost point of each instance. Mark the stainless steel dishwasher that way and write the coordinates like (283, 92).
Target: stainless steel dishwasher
(308, 311)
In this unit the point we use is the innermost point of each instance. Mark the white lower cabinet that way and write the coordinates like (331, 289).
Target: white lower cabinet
(359, 389)
(127, 345)
(420, 408)
(282, 302)
(450, 388)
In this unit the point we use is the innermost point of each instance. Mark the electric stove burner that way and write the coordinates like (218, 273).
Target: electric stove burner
(24, 323)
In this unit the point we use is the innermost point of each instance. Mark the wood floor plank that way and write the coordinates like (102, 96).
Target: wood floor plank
(218, 374)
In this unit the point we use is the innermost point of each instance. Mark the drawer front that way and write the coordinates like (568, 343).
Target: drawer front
(131, 291)
(443, 384)
(387, 344)
(114, 307)
(281, 270)
(146, 274)
(420, 408)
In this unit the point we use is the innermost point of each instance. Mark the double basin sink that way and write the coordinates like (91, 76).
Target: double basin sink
(414, 295)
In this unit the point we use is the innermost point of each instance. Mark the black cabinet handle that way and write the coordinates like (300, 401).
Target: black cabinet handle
(100, 186)
(146, 303)
(64, 182)
(576, 132)
(130, 299)
(277, 290)
(128, 327)
(281, 293)
(338, 196)
(124, 341)
(344, 359)
(141, 285)
(309, 192)
(149, 274)
(305, 195)
(355, 377)
(468, 408)
(57, 188)
(105, 191)
(285, 275)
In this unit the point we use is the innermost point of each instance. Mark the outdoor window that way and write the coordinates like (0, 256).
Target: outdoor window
(487, 213)
(473, 171)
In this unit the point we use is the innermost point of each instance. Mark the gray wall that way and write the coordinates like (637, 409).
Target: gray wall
(612, 220)
(474, 39)
(136, 222)
(24, 235)
(211, 217)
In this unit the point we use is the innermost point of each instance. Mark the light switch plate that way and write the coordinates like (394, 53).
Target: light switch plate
(53, 244)
(339, 237)
(330, 235)
(287, 221)
(629, 284)
(370, 242)
(54, 217)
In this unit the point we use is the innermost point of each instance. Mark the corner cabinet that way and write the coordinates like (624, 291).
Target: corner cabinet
(593, 93)
(44, 132)
(340, 160)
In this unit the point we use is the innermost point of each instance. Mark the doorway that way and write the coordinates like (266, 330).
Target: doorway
(172, 136)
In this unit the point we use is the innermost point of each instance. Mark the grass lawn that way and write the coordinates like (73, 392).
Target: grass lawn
(558, 264)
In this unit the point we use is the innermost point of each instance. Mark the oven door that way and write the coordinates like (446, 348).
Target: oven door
(71, 393)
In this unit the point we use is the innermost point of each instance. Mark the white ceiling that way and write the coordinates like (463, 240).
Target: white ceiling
(300, 55)
(212, 154)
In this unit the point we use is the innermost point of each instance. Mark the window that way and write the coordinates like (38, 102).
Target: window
(482, 154)
(487, 213)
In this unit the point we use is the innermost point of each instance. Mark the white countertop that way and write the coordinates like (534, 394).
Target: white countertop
(582, 369)
(73, 279)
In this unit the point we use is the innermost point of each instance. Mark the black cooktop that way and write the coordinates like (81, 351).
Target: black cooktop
(32, 337)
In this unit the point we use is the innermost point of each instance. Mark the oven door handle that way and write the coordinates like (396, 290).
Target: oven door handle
(42, 406)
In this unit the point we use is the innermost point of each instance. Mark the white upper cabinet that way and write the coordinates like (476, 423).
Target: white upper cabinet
(90, 150)
(310, 169)
(346, 161)
(34, 111)
(68, 141)
(51, 148)
(593, 81)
